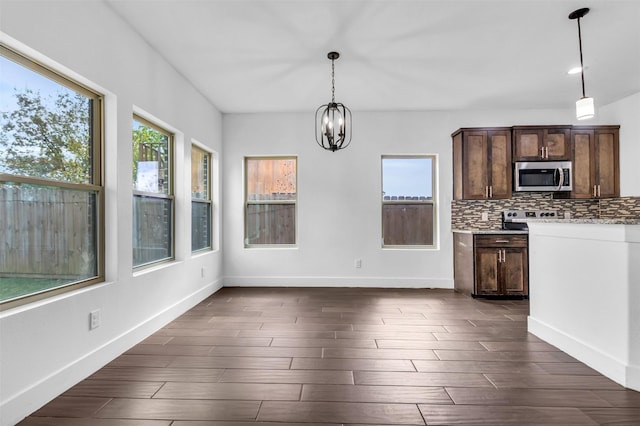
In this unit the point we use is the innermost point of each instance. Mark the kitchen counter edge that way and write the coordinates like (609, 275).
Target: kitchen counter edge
(489, 231)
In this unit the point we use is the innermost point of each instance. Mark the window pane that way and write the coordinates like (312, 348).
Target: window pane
(200, 174)
(407, 177)
(200, 225)
(46, 128)
(49, 238)
(152, 229)
(271, 224)
(271, 179)
(407, 224)
(407, 201)
(151, 159)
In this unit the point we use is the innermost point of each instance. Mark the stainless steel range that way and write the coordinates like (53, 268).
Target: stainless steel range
(517, 219)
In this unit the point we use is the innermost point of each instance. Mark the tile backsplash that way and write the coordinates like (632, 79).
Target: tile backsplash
(467, 214)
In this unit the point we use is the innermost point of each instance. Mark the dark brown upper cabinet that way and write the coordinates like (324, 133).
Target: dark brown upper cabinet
(596, 164)
(482, 166)
(541, 143)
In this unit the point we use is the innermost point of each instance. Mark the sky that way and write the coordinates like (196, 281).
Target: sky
(407, 176)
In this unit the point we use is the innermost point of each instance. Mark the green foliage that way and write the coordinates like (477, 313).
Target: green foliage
(150, 145)
(47, 137)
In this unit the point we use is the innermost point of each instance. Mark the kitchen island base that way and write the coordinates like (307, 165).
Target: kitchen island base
(584, 294)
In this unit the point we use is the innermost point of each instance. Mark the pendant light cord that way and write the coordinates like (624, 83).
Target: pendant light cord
(581, 63)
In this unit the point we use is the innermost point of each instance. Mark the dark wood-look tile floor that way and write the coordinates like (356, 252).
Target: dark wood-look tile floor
(339, 356)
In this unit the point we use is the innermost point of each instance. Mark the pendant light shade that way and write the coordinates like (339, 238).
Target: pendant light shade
(333, 120)
(584, 106)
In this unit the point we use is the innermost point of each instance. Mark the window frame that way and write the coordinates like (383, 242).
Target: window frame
(433, 201)
(169, 196)
(96, 184)
(209, 196)
(248, 202)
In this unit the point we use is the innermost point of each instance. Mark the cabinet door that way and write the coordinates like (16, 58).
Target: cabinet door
(556, 143)
(606, 163)
(475, 177)
(528, 144)
(596, 167)
(500, 166)
(486, 264)
(582, 142)
(515, 272)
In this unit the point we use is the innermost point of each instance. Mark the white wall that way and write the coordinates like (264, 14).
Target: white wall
(46, 346)
(626, 112)
(339, 212)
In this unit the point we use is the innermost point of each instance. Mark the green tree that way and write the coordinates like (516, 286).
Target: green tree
(47, 137)
(150, 145)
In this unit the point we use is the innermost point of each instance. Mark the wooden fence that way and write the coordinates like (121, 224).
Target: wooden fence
(271, 224)
(407, 224)
(152, 229)
(47, 232)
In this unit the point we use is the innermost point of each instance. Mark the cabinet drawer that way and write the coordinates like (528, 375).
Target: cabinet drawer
(508, 240)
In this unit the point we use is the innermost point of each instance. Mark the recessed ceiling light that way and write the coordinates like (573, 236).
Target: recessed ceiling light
(574, 70)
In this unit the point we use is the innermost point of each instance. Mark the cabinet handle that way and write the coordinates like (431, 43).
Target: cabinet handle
(598, 190)
(546, 152)
(504, 255)
(595, 192)
(499, 256)
(491, 191)
(486, 191)
(502, 241)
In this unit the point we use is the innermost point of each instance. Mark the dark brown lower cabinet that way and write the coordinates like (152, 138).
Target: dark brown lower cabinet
(491, 264)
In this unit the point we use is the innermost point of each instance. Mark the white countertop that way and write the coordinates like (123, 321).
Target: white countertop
(489, 231)
(612, 221)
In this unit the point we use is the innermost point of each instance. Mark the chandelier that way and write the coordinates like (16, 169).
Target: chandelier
(333, 120)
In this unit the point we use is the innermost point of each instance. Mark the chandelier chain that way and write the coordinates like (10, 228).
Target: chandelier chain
(333, 82)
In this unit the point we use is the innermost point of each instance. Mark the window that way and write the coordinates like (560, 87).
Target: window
(200, 199)
(271, 194)
(408, 213)
(51, 193)
(152, 193)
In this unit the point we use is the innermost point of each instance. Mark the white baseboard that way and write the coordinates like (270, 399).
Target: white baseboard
(18, 406)
(314, 281)
(605, 364)
(633, 377)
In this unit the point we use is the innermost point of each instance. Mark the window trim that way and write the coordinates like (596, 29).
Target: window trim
(433, 201)
(97, 173)
(208, 200)
(171, 191)
(248, 202)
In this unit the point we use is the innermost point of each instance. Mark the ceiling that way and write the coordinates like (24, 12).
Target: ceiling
(271, 56)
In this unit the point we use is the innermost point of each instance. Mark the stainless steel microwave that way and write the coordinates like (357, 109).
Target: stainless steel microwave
(542, 176)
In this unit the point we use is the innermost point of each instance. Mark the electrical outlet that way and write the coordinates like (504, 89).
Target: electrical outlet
(567, 215)
(485, 216)
(358, 263)
(94, 319)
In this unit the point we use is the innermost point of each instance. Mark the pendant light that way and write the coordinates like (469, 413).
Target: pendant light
(333, 120)
(584, 106)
